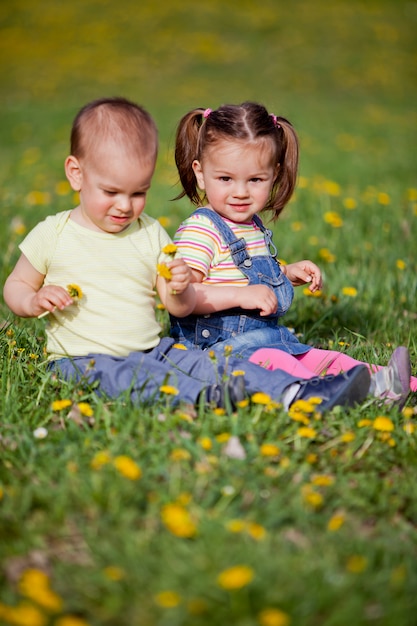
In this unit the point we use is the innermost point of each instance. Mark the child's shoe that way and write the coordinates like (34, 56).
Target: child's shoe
(230, 392)
(346, 389)
(392, 383)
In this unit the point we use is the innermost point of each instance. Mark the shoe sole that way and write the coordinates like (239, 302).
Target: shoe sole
(400, 362)
(354, 392)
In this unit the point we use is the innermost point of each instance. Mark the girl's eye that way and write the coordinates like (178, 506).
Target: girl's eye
(225, 178)
(109, 193)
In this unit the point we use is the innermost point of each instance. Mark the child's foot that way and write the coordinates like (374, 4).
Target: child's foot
(232, 391)
(345, 389)
(392, 383)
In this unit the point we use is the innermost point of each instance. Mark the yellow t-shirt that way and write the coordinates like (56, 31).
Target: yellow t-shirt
(117, 274)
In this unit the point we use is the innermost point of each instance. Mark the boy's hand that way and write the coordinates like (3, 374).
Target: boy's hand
(181, 277)
(304, 272)
(49, 298)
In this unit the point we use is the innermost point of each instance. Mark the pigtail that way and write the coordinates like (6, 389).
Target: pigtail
(288, 166)
(186, 151)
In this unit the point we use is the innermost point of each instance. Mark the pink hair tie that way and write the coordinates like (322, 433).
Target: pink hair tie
(275, 120)
(206, 112)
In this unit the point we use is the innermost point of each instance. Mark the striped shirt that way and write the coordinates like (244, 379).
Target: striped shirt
(204, 250)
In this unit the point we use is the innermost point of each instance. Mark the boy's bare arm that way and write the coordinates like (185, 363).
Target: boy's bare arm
(25, 296)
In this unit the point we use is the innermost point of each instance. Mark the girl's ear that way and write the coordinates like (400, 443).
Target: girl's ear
(198, 172)
(73, 172)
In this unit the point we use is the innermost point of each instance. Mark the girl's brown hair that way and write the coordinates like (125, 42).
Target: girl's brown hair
(251, 122)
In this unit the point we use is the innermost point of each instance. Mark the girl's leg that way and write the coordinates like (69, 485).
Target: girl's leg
(315, 361)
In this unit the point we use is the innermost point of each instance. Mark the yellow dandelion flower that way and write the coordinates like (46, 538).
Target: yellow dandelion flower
(236, 526)
(34, 584)
(364, 422)
(356, 564)
(297, 226)
(164, 271)
(235, 577)
(335, 522)
(113, 572)
(313, 498)
(306, 432)
(238, 373)
(331, 187)
(180, 454)
(164, 221)
(223, 437)
(219, 411)
(409, 428)
(400, 264)
(62, 188)
(179, 346)
(326, 255)
(322, 480)
(161, 307)
(75, 291)
(269, 449)
(170, 249)
(348, 436)
(25, 614)
(178, 520)
(205, 442)
(256, 531)
(312, 458)
(260, 398)
(391, 442)
(169, 390)
(168, 599)
(101, 458)
(352, 292)
(383, 198)
(408, 412)
(59, 405)
(242, 404)
(85, 409)
(184, 498)
(383, 424)
(350, 203)
(333, 218)
(71, 620)
(273, 617)
(127, 467)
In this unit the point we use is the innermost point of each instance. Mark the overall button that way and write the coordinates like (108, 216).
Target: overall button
(247, 263)
(205, 333)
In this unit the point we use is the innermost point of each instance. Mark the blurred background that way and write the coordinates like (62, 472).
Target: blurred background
(343, 72)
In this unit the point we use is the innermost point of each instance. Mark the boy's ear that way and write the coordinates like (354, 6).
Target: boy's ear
(198, 172)
(73, 172)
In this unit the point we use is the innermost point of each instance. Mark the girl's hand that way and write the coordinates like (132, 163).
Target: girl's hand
(49, 298)
(304, 272)
(257, 297)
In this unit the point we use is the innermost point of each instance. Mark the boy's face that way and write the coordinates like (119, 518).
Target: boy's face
(113, 183)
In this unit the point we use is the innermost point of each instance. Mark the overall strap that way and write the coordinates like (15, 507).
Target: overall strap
(236, 246)
(268, 236)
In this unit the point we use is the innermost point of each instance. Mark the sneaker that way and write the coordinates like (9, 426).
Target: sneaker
(230, 392)
(345, 389)
(392, 383)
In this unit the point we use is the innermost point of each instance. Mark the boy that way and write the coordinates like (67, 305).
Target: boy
(110, 248)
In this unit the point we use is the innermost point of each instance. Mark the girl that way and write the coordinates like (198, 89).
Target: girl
(245, 162)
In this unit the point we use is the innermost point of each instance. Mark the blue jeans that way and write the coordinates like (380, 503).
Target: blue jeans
(190, 371)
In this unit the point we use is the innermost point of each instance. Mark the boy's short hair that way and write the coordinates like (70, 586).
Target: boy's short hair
(114, 118)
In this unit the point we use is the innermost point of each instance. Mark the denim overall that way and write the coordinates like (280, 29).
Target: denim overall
(245, 331)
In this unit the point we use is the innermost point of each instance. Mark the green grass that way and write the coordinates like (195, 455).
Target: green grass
(343, 73)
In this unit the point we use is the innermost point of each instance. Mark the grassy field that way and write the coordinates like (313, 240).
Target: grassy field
(120, 515)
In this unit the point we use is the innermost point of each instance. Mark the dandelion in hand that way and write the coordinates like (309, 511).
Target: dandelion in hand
(164, 271)
(74, 291)
(170, 250)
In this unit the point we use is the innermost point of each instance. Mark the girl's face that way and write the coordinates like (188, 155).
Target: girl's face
(112, 184)
(237, 178)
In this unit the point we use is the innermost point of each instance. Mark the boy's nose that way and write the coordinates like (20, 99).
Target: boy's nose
(123, 204)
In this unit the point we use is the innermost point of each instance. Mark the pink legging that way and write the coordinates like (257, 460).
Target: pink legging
(311, 363)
